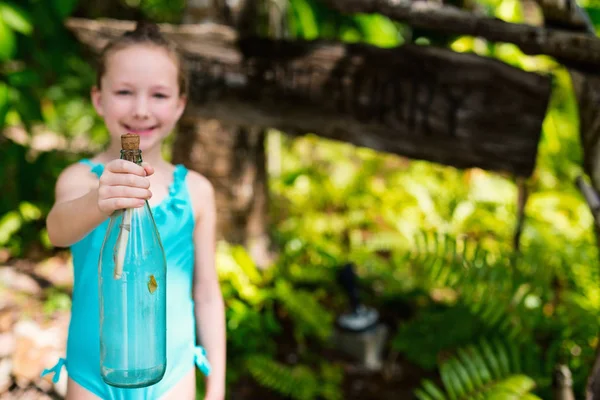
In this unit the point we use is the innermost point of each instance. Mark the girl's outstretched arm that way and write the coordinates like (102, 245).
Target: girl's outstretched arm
(75, 211)
(83, 202)
(210, 312)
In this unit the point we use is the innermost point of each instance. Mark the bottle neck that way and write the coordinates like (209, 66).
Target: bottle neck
(132, 155)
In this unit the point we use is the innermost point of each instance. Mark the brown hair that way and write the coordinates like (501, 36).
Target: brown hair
(144, 33)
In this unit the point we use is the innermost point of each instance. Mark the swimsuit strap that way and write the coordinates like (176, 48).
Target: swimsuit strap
(56, 369)
(201, 360)
(95, 168)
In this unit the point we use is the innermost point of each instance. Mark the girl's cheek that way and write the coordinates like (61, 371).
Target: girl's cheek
(166, 111)
(118, 106)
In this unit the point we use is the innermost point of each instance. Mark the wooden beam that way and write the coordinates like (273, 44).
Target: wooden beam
(568, 47)
(566, 14)
(420, 102)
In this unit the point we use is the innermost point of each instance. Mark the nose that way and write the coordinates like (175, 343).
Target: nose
(140, 108)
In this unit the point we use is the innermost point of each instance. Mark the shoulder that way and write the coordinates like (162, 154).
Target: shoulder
(202, 193)
(74, 181)
(77, 173)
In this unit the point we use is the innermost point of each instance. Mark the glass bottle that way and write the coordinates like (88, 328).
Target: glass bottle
(132, 279)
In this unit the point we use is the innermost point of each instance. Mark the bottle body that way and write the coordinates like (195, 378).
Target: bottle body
(132, 288)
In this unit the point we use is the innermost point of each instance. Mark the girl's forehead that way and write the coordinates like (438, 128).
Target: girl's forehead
(137, 59)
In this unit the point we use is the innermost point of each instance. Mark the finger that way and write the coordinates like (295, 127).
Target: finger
(120, 203)
(126, 180)
(125, 167)
(148, 168)
(111, 192)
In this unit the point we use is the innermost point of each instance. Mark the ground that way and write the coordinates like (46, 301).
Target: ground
(34, 317)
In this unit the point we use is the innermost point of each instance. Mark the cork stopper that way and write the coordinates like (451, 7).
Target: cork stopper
(130, 141)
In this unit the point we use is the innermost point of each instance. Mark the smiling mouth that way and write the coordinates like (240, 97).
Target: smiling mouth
(140, 130)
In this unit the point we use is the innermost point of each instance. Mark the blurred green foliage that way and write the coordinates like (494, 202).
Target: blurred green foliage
(433, 244)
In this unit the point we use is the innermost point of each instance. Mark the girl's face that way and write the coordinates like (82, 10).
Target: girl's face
(140, 94)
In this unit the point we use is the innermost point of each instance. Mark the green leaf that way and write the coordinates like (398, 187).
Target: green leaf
(4, 102)
(26, 77)
(29, 211)
(8, 45)
(467, 386)
(491, 358)
(243, 259)
(10, 223)
(502, 357)
(451, 381)
(307, 21)
(421, 395)
(478, 360)
(64, 8)
(298, 382)
(16, 18)
(27, 105)
(431, 391)
(517, 384)
(378, 30)
(471, 367)
(530, 396)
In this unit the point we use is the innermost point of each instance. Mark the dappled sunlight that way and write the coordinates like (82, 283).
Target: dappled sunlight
(469, 302)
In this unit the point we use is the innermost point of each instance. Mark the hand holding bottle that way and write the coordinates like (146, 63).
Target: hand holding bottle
(123, 184)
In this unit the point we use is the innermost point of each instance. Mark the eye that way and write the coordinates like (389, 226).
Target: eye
(161, 96)
(123, 92)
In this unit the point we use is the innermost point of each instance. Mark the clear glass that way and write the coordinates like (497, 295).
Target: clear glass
(133, 312)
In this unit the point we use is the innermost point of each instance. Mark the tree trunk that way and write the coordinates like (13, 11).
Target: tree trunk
(231, 157)
(566, 14)
(587, 90)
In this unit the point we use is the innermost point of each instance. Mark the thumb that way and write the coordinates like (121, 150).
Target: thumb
(148, 168)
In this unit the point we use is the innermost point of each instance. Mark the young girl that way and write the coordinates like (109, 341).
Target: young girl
(141, 89)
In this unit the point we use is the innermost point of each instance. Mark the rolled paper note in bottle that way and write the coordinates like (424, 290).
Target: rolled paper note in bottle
(132, 287)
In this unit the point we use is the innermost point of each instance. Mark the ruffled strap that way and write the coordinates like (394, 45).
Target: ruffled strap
(176, 192)
(56, 370)
(179, 175)
(201, 360)
(176, 200)
(95, 168)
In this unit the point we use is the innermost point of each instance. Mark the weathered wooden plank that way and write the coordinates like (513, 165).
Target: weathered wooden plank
(570, 48)
(420, 102)
(566, 14)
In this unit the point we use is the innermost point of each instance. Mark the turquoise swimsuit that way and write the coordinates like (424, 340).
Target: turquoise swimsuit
(175, 223)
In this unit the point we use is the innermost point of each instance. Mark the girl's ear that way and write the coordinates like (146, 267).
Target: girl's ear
(97, 100)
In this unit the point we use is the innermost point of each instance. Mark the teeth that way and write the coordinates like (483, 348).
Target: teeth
(139, 129)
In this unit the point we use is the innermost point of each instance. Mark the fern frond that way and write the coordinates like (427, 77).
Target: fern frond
(309, 315)
(429, 391)
(486, 292)
(385, 241)
(481, 371)
(302, 274)
(297, 382)
(443, 260)
(484, 282)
